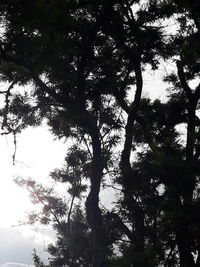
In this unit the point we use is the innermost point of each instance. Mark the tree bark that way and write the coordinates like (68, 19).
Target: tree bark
(93, 212)
(92, 204)
(183, 241)
(128, 182)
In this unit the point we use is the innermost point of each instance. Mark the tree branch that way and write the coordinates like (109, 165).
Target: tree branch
(131, 118)
(183, 81)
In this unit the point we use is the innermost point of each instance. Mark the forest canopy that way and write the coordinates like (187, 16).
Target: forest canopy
(80, 66)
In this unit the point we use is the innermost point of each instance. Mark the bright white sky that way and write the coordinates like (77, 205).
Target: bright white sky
(37, 154)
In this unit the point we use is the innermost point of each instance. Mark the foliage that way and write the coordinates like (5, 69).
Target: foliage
(82, 65)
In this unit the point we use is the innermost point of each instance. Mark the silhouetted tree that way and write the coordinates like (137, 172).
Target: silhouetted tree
(82, 65)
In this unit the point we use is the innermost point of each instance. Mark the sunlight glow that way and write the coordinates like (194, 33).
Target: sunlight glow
(37, 155)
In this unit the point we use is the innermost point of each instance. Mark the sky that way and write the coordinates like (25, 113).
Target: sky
(38, 153)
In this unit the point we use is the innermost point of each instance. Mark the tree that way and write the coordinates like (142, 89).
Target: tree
(82, 63)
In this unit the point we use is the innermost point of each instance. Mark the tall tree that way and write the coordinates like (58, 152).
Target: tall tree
(82, 63)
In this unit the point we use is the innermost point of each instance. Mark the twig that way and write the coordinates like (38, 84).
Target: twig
(15, 147)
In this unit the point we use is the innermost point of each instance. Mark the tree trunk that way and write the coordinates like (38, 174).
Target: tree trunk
(183, 241)
(92, 204)
(182, 230)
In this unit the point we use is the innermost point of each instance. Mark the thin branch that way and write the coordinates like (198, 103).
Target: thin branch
(7, 94)
(70, 211)
(123, 227)
(113, 187)
(60, 99)
(147, 134)
(183, 81)
(53, 214)
(131, 119)
(15, 147)
(121, 100)
(87, 146)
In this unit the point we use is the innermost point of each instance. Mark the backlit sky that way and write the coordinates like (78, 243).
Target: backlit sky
(37, 154)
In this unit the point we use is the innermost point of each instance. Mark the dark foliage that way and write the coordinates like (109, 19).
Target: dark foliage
(81, 65)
